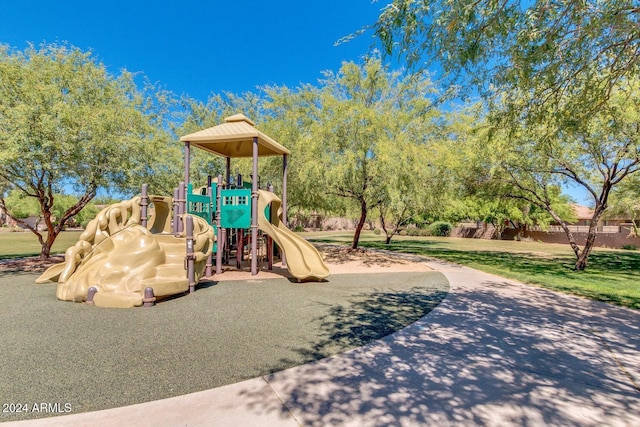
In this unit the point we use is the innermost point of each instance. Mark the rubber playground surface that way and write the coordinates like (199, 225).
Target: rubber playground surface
(92, 358)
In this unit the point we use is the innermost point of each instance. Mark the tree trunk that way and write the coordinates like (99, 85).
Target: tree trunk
(361, 222)
(565, 227)
(636, 232)
(47, 244)
(499, 228)
(54, 228)
(46, 251)
(387, 234)
(583, 256)
(581, 263)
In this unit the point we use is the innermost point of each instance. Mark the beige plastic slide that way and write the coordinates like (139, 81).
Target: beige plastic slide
(303, 260)
(120, 257)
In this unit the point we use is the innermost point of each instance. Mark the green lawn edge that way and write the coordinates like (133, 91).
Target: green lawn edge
(611, 276)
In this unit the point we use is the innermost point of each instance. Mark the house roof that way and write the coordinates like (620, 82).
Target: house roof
(582, 212)
(234, 138)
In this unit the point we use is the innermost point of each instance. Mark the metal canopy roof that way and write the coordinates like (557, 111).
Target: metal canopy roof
(234, 138)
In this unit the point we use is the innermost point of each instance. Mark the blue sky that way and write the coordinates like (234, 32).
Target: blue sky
(199, 47)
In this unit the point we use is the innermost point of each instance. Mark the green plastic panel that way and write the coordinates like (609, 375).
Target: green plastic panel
(235, 209)
(199, 205)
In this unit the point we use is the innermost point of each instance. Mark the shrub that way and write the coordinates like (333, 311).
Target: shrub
(418, 232)
(376, 231)
(440, 228)
(630, 247)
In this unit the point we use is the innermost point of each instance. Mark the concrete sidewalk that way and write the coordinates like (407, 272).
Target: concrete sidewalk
(495, 353)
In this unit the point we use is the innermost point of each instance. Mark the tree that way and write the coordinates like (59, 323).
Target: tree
(4, 186)
(417, 169)
(477, 163)
(557, 78)
(291, 117)
(352, 131)
(504, 209)
(625, 201)
(553, 50)
(67, 124)
(21, 205)
(597, 156)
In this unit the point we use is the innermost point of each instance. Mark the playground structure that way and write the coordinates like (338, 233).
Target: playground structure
(124, 260)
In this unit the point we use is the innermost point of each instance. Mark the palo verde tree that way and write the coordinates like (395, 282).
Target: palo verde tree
(416, 165)
(553, 75)
(479, 163)
(66, 124)
(552, 49)
(533, 163)
(292, 117)
(625, 203)
(409, 187)
(351, 134)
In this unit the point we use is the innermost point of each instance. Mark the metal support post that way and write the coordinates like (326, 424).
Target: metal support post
(219, 240)
(90, 294)
(254, 210)
(269, 253)
(176, 211)
(239, 248)
(209, 267)
(190, 257)
(269, 239)
(149, 299)
(187, 161)
(144, 203)
(285, 167)
(182, 205)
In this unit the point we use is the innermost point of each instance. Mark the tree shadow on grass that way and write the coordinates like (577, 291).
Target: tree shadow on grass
(601, 280)
(368, 317)
(620, 261)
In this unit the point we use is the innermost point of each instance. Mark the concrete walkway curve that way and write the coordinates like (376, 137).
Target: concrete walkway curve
(495, 352)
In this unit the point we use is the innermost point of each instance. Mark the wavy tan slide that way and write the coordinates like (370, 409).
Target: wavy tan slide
(121, 258)
(303, 260)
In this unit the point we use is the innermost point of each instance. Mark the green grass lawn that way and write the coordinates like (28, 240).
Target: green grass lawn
(611, 276)
(22, 244)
